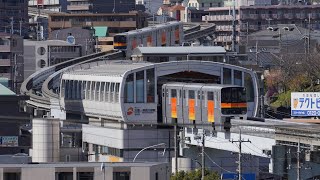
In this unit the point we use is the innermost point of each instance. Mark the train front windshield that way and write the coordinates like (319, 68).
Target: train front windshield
(120, 42)
(233, 100)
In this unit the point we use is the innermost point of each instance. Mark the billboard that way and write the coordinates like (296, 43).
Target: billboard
(305, 104)
(8, 141)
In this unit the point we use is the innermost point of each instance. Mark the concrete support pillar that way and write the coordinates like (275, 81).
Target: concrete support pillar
(1, 173)
(103, 174)
(74, 173)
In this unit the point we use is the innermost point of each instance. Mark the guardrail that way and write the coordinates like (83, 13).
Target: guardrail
(201, 33)
(52, 82)
(192, 29)
(32, 86)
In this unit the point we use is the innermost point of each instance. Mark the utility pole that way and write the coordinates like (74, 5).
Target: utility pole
(240, 141)
(20, 23)
(175, 146)
(298, 161)
(11, 24)
(202, 155)
(234, 26)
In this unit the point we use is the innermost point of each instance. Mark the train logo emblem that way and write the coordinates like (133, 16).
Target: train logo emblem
(130, 111)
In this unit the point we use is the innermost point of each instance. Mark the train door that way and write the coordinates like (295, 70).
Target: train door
(185, 106)
(204, 106)
(162, 108)
(192, 106)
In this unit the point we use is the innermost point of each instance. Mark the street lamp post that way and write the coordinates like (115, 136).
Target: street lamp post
(148, 148)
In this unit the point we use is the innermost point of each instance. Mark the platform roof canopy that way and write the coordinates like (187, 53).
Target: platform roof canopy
(179, 50)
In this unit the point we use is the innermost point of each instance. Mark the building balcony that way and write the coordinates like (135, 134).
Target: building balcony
(276, 16)
(83, 7)
(288, 16)
(301, 16)
(265, 16)
(313, 16)
(5, 48)
(5, 62)
(253, 16)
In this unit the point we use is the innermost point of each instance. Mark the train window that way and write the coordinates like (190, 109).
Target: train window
(191, 94)
(83, 92)
(248, 84)
(210, 96)
(235, 94)
(93, 86)
(97, 91)
(120, 39)
(117, 89)
(237, 78)
(112, 85)
(140, 87)
(173, 93)
(63, 88)
(107, 92)
(79, 90)
(102, 91)
(70, 89)
(227, 76)
(88, 90)
(184, 94)
(150, 86)
(129, 89)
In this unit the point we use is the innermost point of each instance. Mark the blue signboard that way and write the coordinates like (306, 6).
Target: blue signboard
(234, 176)
(305, 104)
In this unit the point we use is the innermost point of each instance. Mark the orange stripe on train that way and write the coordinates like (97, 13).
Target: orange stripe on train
(210, 111)
(233, 105)
(192, 113)
(174, 108)
(120, 44)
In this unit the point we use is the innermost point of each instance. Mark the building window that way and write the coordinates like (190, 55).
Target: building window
(150, 86)
(41, 51)
(226, 76)
(121, 175)
(140, 86)
(248, 84)
(129, 89)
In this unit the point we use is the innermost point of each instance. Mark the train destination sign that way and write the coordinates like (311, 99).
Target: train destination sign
(305, 104)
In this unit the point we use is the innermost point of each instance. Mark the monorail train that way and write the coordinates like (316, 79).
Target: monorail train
(202, 103)
(167, 34)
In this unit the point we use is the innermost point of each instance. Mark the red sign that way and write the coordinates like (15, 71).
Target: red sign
(40, 2)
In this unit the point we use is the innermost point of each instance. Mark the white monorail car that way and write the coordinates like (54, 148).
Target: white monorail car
(167, 34)
(198, 104)
(132, 92)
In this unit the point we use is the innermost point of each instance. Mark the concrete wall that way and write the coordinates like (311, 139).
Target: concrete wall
(38, 173)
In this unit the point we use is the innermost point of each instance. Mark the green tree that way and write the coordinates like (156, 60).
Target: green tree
(195, 175)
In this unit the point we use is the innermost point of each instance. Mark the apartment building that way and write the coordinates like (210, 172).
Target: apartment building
(52, 5)
(13, 16)
(204, 4)
(116, 23)
(40, 54)
(92, 171)
(100, 6)
(11, 60)
(254, 18)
